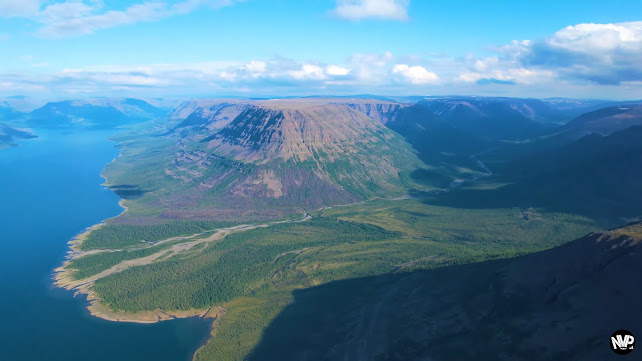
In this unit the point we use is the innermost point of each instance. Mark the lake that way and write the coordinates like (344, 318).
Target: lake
(49, 192)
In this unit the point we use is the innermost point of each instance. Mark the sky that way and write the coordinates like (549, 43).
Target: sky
(204, 48)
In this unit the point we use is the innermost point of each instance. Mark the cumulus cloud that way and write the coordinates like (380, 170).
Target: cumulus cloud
(582, 58)
(606, 54)
(415, 74)
(378, 9)
(73, 18)
(278, 75)
(599, 53)
(308, 71)
(337, 70)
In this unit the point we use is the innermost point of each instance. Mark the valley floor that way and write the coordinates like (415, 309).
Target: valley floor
(243, 276)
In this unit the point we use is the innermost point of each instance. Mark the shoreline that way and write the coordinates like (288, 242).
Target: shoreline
(97, 309)
(63, 278)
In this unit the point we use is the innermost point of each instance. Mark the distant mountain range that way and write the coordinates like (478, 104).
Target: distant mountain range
(286, 155)
(99, 112)
(318, 151)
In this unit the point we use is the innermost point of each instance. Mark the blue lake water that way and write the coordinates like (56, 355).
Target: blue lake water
(49, 192)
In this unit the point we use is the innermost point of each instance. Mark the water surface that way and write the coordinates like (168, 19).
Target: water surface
(50, 191)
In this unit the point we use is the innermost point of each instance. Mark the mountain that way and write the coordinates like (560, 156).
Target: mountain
(381, 111)
(9, 113)
(605, 121)
(208, 115)
(98, 113)
(18, 106)
(270, 157)
(492, 118)
(572, 108)
(559, 304)
(597, 175)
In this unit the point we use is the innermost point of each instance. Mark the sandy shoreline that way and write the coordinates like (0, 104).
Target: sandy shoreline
(97, 309)
(63, 278)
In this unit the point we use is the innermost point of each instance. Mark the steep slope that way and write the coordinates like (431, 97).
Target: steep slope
(207, 116)
(273, 158)
(270, 130)
(559, 304)
(381, 111)
(98, 113)
(448, 131)
(596, 175)
(604, 121)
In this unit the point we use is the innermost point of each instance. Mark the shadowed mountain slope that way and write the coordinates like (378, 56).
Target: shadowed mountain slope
(597, 176)
(559, 304)
(605, 121)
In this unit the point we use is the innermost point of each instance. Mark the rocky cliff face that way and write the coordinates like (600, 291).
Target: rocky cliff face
(382, 112)
(324, 132)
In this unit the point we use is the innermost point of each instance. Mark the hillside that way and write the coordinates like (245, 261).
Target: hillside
(596, 175)
(551, 304)
(604, 121)
(93, 113)
(489, 118)
(207, 115)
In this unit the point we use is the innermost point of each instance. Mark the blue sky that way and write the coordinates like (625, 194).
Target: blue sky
(74, 48)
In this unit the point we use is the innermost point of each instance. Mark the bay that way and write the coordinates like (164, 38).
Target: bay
(50, 190)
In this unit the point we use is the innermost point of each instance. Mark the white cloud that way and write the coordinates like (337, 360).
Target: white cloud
(308, 71)
(582, 59)
(69, 19)
(378, 9)
(371, 68)
(594, 38)
(279, 75)
(337, 70)
(600, 53)
(81, 17)
(604, 54)
(11, 8)
(415, 74)
(255, 66)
